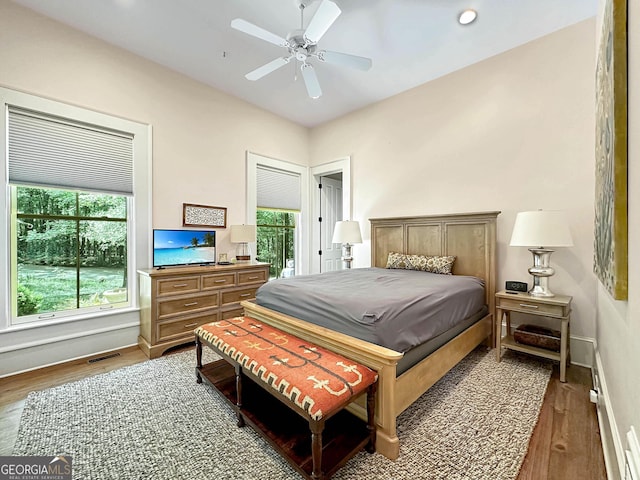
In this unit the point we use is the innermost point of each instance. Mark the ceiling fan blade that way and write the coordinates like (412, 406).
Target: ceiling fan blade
(345, 59)
(267, 68)
(323, 19)
(258, 32)
(311, 81)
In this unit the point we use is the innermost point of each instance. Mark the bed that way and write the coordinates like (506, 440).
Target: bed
(471, 238)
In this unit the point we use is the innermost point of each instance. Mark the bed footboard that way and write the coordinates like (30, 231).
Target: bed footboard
(380, 359)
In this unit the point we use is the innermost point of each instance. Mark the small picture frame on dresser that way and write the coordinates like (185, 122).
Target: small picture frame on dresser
(223, 259)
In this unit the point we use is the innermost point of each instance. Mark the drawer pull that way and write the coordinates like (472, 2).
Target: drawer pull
(524, 305)
(190, 304)
(245, 294)
(179, 285)
(191, 325)
(254, 278)
(220, 281)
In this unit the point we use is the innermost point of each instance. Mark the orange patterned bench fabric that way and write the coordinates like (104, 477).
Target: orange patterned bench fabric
(318, 381)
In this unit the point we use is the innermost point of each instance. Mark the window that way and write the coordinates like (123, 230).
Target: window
(76, 212)
(70, 251)
(278, 201)
(276, 241)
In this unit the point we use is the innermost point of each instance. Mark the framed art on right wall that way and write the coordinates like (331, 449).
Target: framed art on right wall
(610, 230)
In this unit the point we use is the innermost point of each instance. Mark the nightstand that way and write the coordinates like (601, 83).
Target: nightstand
(558, 307)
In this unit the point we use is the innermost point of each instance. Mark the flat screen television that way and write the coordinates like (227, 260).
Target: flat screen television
(183, 247)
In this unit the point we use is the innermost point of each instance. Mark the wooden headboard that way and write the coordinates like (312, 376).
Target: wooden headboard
(471, 237)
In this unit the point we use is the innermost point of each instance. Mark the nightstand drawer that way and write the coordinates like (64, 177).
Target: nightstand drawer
(532, 306)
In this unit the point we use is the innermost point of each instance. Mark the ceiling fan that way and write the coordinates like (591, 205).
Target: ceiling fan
(302, 46)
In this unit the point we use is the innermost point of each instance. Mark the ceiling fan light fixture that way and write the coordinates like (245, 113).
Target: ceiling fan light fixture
(468, 16)
(301, 45)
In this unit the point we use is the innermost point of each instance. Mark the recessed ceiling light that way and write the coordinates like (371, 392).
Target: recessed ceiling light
(467, 17)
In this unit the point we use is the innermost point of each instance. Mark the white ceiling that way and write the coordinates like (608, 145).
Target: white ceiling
(410, 41)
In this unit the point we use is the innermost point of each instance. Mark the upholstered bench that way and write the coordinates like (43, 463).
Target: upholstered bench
(309, 380)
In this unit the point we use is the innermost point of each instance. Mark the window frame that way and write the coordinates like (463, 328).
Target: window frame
(139, 205)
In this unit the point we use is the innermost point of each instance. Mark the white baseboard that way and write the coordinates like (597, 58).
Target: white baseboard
(612, 446)
(29, 357)
(582, 351)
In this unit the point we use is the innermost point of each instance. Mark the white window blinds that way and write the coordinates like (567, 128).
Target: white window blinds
(278, 189)
(50, 151)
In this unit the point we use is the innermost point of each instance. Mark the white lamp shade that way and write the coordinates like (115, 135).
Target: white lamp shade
(243, 233)
(347, 231)
(541, 228)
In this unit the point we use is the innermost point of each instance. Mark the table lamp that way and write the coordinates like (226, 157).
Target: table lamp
(539, 230)
(347, 232)
(243, 235)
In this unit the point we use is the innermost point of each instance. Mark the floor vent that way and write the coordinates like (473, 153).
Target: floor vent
(99, 359)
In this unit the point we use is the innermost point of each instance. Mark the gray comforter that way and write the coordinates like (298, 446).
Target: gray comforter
(397, 309)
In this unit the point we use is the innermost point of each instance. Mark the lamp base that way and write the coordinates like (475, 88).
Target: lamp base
(347, 258)
(541, 271)
(243, 252)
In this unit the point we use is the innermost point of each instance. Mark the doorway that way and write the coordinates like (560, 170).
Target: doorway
(331, 202)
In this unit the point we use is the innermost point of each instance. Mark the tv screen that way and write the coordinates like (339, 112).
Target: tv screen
(183, 247)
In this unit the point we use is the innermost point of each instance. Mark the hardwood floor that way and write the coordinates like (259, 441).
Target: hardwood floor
(565, 443)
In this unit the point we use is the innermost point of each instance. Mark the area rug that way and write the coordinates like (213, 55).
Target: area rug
(153, 421)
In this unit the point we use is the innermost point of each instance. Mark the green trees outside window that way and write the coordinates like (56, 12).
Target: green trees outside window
(70, 250)
(275, 241)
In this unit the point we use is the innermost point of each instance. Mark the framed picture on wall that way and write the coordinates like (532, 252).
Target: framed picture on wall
(610, 232)
(203, 216)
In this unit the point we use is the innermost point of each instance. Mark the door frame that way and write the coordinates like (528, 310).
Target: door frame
(342, 165)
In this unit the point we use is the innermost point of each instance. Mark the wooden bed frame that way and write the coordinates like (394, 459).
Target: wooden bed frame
(471, 237)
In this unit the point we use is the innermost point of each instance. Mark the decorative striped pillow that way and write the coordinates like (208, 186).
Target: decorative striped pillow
(433, 264)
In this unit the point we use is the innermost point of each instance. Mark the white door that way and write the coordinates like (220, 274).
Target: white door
(330, 212)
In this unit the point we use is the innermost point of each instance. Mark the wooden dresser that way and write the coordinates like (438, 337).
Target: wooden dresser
(175, 301)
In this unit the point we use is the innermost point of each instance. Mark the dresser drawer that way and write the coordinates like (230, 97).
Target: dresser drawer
(523, 305)
(186, 304)
(238, 295)
(184, 327)
(218, 280)
(252, 276)
(178, 285)
(235, 312)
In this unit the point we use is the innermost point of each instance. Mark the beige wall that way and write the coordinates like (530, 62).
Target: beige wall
(617, 322)
(512, 133)
(200, 134)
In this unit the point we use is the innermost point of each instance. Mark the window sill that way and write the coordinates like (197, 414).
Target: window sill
(44, 323)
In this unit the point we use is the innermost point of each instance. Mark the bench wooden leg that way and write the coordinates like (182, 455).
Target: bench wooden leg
(371, 417)
(198, 359)
(239, 395)
(316, 426)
